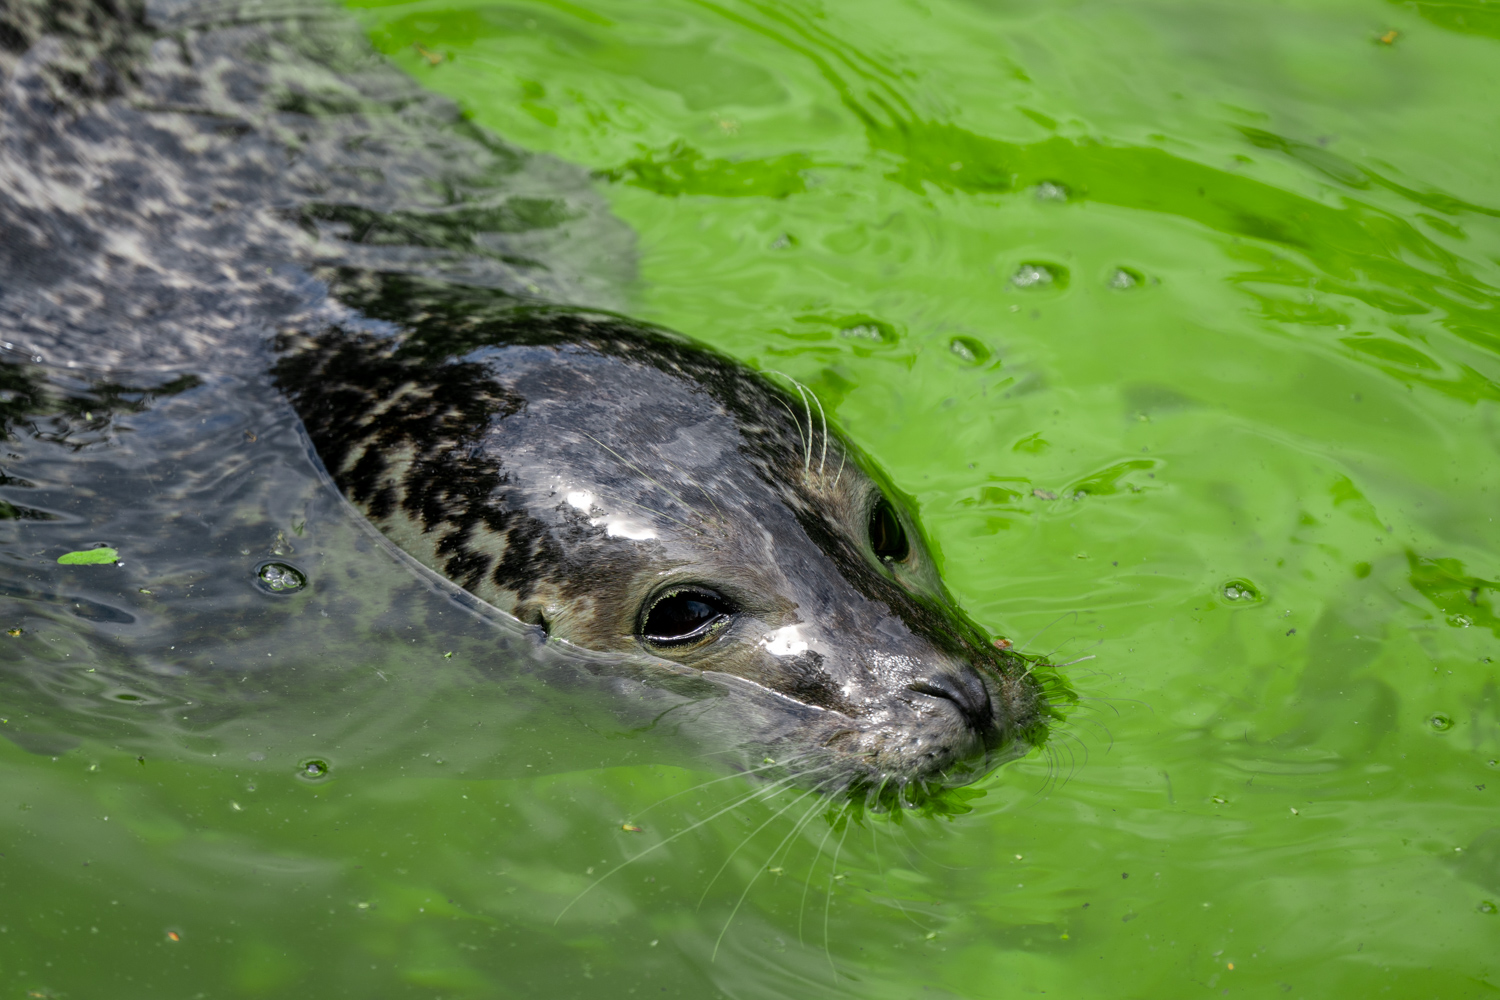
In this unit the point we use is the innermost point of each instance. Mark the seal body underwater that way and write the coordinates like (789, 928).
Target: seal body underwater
(614, 487)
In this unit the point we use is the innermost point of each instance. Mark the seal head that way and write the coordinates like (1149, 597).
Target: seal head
(622, 490)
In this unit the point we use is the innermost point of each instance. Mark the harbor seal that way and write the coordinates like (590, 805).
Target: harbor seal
(194, 190)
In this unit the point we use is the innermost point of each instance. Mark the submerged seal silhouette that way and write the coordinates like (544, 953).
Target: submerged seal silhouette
(612, 486)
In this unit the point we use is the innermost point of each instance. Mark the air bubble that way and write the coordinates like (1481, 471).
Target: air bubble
(1241, 592)
(1440, 723)
(1487, 906)
(864, 331)
(280, 578)
(1051, 191)
(312, 769)
(968, 350)
(1124, 279)
(1037, 276)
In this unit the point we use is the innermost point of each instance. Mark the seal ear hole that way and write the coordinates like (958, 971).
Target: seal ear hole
(887, 536)
(684, 616)
(532, 615)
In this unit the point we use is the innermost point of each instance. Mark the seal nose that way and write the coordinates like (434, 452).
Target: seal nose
(968, 693)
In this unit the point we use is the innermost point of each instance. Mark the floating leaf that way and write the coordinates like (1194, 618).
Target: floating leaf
(103, 556)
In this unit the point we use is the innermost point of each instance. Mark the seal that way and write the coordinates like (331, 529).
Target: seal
(614, 487)
(623, 490)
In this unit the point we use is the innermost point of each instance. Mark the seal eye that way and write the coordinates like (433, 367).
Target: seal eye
(887, 537)
(680, 617)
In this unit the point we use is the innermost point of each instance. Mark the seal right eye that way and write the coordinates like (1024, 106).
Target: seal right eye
(887, 536)
(680, 617)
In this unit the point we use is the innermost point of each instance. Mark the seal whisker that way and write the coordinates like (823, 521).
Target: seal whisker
(843, 457)
(714, 781)
(1101, 727)
(801, 821)
(929, 858)
(823, 458)
(1108, 701)
(1027, 644)
(1073, 763)
(807, 442)
(643, 474)
(659, 513)
(807, 884)
(758, 793)
(748, 837)
(880, 867)
(1059, 647)
(797, 423)
(828, 899)
(708, 494)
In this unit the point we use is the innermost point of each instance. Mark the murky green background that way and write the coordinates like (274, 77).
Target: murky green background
(1179, 322)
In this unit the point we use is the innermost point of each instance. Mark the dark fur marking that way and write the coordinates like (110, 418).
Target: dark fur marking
(439, 411)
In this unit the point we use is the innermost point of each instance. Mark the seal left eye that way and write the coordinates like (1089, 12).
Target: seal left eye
(683, 616)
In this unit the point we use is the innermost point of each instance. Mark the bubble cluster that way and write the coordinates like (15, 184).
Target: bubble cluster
(279, 578)
(1241, 591)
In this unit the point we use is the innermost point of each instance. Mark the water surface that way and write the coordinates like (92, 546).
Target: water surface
(1177, 322)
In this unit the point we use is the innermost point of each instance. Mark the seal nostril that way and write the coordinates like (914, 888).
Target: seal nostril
(967, 692)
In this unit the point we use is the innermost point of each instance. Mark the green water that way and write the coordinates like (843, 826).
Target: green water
(1179, 323)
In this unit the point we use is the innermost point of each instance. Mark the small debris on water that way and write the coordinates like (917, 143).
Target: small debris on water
(448, 656)
(1487, 906)
(173, 936)
(630, 828)
(312, 769)
(1440, 723)
(1219, 800)
(1004, 644)
(1389, 38)
(1044, 494)
(14, 631)
(101, 556)
(433, 58)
